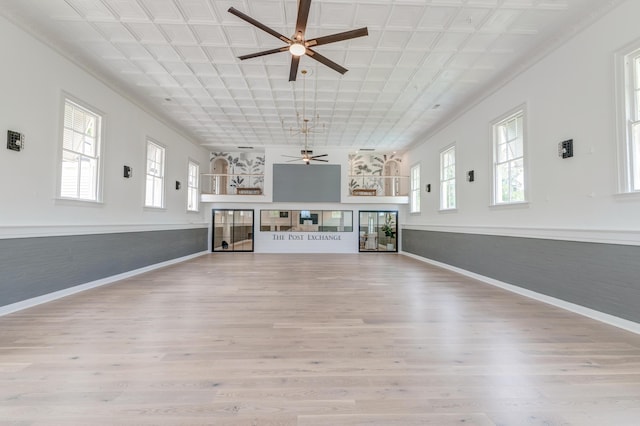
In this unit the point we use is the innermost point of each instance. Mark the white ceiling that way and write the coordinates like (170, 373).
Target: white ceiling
(423, 62)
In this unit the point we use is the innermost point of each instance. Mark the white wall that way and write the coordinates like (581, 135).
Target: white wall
(570, 94)
(33, 79)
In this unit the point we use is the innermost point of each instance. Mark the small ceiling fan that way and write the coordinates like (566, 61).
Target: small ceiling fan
(305, 129)
(297, 45)
(307, 154)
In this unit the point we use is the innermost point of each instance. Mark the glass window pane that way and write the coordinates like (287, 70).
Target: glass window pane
(635, 146)
(78, 120)
(69, 175)
(502, 183)
(501, 153)
(88, 174)
(512, 130)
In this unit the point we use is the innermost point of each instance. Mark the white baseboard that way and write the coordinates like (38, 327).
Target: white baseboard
(24, 304)
(624, 324)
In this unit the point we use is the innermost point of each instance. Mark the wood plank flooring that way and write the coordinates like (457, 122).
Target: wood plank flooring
(309, 340)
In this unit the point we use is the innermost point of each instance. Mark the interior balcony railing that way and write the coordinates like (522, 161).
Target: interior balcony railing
(232, 184)
(380, 186)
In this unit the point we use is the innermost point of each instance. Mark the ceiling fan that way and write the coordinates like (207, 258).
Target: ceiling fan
(297, 45)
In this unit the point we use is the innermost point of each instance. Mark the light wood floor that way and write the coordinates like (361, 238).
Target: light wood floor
(258, 339)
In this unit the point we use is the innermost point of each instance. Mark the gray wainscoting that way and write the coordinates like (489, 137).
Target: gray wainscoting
(32, 267)
(603, 277)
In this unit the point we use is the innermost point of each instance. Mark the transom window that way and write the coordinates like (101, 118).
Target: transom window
(448, 178)
(415, 189)
(508, 160)
(81, 144)
(154, 191)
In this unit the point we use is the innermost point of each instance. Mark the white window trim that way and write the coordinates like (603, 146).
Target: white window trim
(525, 156)
(149, 140)
(412, 208)
(455, 178)
(623, 108)
(58, 198)
(191, 161)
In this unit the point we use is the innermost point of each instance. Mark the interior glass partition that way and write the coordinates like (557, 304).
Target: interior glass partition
(378, 231)
(232, 230)
(306, 220)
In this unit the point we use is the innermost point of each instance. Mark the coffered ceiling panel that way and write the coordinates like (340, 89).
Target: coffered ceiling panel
(422, 63)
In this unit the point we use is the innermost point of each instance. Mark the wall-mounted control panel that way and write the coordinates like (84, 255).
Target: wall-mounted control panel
(15, 140)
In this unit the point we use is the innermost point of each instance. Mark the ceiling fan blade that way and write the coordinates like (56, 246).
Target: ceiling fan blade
(293, 72)
(292, 156)
(321, 155)
(347, 35)
(263, 53)
(293, 161)
(303, 16)
(328, 62)
(317, 159)
(258, 24)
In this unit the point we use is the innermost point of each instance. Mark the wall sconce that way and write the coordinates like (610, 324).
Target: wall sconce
(127, 172)
(177, 185)
(428, 187)
(471, 176)
(565, 149)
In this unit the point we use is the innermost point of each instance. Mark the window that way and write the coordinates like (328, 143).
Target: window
(154, 193)
(81, 145)
(629, 83)
(508, 160)
(415, 189)
(448, 178)
(193, 187)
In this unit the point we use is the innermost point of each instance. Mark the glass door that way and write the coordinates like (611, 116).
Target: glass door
(378, 231)
(232, 230)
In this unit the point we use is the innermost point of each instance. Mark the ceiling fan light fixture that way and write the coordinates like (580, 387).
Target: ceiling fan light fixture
(297, 49)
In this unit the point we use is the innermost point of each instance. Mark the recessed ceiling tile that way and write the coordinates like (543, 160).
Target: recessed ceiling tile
(388, 58)
(209, 34)
(220, 55)
(500, 20)
(92, 9)
(479, 42)
(469, 19)
(192, 53)
(463, 60)
(404, 16)
(164, 10)
(135, 51)
(451, 42)
(146, 33)
(178, 33)
(164, 80)
(177, 67)
(115, 32)
(372, 15)
(333, 15)
(163, 52)
(196, 10)
(127, 9)
(437, 18)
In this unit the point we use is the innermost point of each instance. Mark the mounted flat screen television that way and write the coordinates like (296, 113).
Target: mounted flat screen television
(313, 183)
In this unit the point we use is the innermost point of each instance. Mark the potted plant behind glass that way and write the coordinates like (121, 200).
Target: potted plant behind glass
(389, 230)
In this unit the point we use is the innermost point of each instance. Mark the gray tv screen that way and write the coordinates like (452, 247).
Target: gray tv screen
(313, 183)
